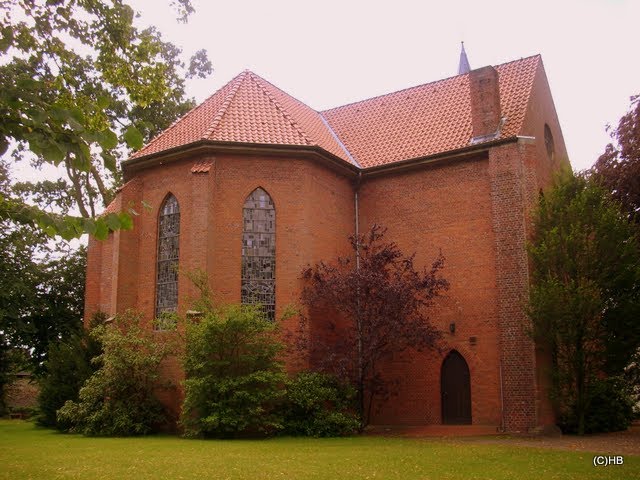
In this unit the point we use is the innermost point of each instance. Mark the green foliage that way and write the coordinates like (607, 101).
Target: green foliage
(618, 168)
(119, 398)
(318, 405)
(41, 290)
(373, 309)
(68, 366)
(41, 299)
(233, 380)
(81, 86)
(5, 367)
(610, 408)
(585, 293)
(632, 379)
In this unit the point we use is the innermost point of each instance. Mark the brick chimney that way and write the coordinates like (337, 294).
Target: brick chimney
(485, 103)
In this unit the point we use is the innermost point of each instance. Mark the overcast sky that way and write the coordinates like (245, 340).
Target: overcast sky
(332, 52)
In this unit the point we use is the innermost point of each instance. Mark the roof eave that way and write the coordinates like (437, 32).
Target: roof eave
(216, 147)
(202, 147)
(457, 154)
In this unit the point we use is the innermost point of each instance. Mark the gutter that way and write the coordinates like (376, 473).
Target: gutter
(456, 154)
(213, 147)
(202, 147)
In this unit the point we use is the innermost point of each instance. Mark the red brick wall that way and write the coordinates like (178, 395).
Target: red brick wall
(541, 111)
(510, 200)
(314, 216)
(473, 210)
(95, 272)
(444, 207)
(100, 274)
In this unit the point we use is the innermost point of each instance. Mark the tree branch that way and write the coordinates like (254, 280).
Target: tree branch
(77, 188)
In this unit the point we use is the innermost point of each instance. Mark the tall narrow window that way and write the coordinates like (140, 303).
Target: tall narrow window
(259, 252)
(168, 250)
(549, 143)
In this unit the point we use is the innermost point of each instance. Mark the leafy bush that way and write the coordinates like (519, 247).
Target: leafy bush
(610, 408)
(4, 372)
(119, 399)
(24, 412)
(317, 405)
(632, 378)
(233, 380)
(67, 367)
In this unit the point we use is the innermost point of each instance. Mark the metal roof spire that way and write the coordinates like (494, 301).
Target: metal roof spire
(463, 66)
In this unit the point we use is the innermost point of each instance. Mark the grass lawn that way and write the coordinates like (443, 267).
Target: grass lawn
(30, 452)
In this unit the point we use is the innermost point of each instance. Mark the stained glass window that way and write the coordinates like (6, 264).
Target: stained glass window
(259, 252)
(168, 251)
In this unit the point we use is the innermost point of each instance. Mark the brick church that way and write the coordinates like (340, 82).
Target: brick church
(253, 185)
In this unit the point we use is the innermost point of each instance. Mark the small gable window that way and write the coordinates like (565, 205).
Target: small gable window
(548, 142)
(168, 253)
(259, 252)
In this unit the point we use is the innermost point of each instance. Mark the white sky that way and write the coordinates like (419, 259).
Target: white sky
(333, 52)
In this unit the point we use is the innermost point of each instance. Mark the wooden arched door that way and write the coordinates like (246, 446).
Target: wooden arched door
(455, 388)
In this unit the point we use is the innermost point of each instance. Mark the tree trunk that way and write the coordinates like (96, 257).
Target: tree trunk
(580, 387)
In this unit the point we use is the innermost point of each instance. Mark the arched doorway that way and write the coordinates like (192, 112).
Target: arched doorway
(455, 390)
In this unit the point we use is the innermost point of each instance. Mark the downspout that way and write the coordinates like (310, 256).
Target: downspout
(502, 428)
(357, 229)
(358, 321)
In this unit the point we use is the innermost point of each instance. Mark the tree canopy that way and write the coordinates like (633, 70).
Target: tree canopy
(618, 168)
(585, 293)
(372, 308)
(41, 286)
(81, 86)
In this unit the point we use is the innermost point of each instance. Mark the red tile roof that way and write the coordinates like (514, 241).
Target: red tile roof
(201, 167)
(249, 109)
(411, 123)
(427, 119)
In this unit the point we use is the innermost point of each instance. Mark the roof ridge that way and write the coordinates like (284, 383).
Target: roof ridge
(533, 77)
(256, 78)
(225, 105)
(337, 139)
(419, 86)
(375, 97)
(180, 119)
(531, 82)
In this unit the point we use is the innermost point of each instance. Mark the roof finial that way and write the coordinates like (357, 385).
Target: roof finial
(463, 66)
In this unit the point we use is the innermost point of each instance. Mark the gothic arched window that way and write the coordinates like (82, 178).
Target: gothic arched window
(548, 142)
(259, 252)
(168, 251)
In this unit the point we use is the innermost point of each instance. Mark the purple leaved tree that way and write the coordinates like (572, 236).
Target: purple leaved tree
(365, 309)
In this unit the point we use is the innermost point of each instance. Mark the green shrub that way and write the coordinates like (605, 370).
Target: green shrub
(233, 380)
(610, 408)
(67, 367)
(24, 412)
(632, 378)
(5, 367)
(119, 398)
(317, 405)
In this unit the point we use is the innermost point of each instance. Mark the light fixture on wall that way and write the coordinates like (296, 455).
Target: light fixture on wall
(452, 328)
